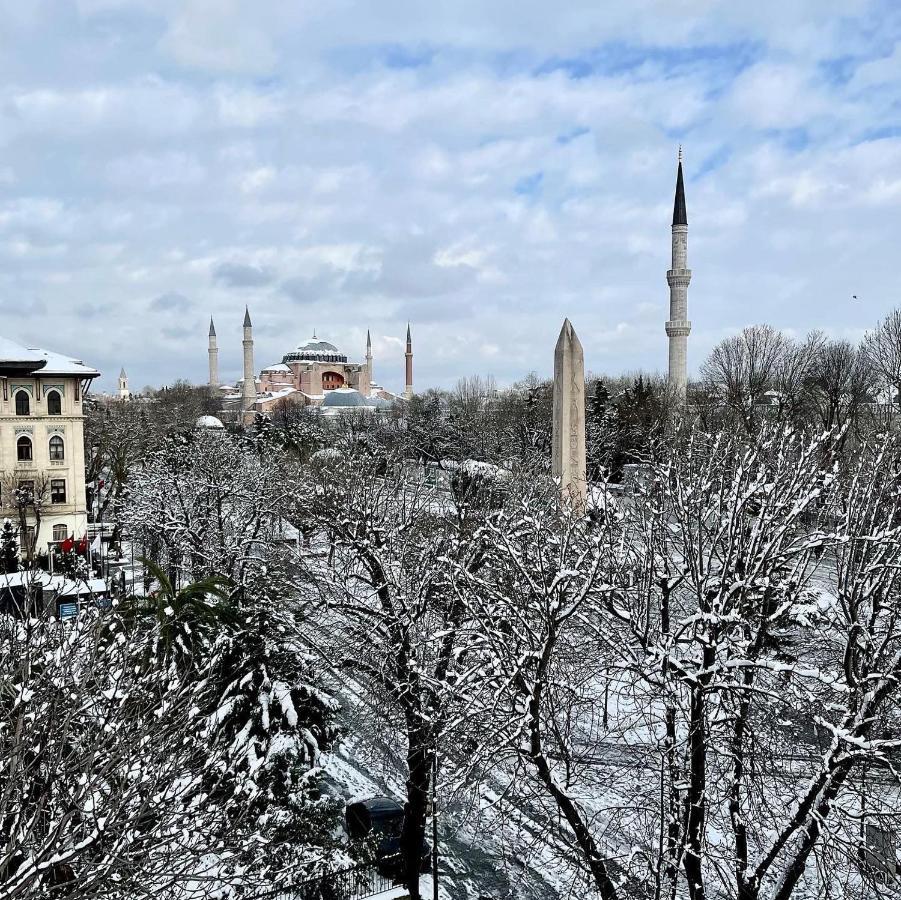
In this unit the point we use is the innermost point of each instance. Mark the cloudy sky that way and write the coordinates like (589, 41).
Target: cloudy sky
(482, 168)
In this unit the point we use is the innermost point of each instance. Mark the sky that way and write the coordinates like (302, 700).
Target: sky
(479, 168)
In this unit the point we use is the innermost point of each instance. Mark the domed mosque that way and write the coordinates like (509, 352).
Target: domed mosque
(315, 373)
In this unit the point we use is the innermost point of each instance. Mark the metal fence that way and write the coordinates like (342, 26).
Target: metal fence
(346, 884)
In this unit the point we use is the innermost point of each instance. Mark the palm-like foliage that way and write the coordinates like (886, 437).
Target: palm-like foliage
(186, 618)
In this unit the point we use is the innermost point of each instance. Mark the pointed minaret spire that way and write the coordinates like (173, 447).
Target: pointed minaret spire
(368, 363)
(123, 393)
(680, 216)
(678, 278)
(213, 354)
(408, 387)
(249, 388)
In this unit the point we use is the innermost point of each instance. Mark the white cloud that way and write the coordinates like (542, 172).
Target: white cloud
(485, 193)
(220, 35)
(777, 96)
(880, 71)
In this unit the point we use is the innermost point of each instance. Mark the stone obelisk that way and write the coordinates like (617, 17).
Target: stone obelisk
(569, 416)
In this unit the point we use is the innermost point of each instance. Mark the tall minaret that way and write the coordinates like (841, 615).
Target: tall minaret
(678, 277)
(249, 391)
(408, 389)
(124, 393)
(368, 357)
(214, 356)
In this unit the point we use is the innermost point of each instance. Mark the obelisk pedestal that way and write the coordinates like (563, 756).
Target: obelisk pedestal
(568, 460)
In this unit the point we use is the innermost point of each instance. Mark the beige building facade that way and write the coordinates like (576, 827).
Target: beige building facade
(42, 466)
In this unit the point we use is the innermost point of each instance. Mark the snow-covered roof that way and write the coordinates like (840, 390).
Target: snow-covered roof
(277, 367)
(59, 364)
(277, 395)
(60, 585)
(13, 354)
(314, 350)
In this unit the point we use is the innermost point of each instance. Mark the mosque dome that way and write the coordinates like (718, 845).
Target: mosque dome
(344, 398)
(208, 422)
(314, 350)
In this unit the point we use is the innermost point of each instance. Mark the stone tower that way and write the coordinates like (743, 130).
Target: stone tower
(368, 357)
(678, 278)
(123, 393)
(214, 356)
(249, 390)
(568, 446)
(408, 389)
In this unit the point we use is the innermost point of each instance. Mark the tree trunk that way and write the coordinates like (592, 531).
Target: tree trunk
(419, 763)
(696, 800)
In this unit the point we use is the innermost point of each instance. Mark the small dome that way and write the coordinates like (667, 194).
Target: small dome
(344, 397)
(315, 350)
(208, 422)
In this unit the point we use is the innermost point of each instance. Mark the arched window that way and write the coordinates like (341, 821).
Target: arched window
(23, 448)
(57, 448)
(54, 404)
(23, 404)
(60, 533)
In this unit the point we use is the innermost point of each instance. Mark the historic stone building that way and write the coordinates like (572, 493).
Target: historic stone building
(315, 373)
(42, 468)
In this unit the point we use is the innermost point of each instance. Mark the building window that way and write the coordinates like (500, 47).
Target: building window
(23, 448)
(57, 490)
(26, 492)
(54, 404)
(23, 404)
(60, 533)
(57, 448)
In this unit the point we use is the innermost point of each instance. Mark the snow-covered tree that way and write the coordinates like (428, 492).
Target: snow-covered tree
(209, 504)
(9, 547)
(390, 617)
(702, 683)
(274, 718)
(102, 792)
(214, 508)
(532, 633)
(28, 498)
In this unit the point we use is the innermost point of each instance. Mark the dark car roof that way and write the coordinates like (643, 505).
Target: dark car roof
(378, 805)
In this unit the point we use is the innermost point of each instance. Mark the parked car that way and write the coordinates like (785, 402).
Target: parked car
(383, 819)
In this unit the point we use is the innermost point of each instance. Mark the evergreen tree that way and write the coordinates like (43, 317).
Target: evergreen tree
(267, 719)
(602, 435)
(270, 712)
(9, 548)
